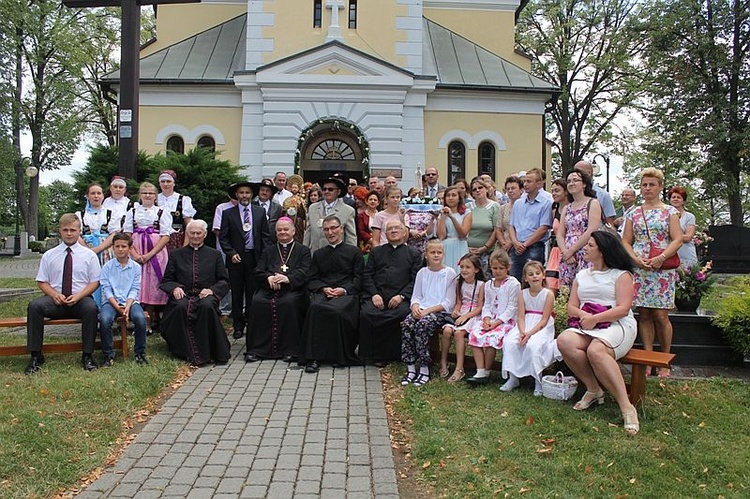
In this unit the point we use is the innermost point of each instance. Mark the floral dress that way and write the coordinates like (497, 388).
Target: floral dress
(576, 224)
(653, 288)
(500, 303)
(419, 221)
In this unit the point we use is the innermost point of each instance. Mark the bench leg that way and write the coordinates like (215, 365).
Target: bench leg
(637, 384)
(124, 334)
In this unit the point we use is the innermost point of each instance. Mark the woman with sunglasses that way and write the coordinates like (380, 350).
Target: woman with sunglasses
(481, 238)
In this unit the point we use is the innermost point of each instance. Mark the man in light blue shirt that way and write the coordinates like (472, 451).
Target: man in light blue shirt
(121, 281)
(530, 221)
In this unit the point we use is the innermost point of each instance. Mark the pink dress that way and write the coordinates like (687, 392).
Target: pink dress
(576, 223)
(148, 225)
(500, 303)
(469, 301)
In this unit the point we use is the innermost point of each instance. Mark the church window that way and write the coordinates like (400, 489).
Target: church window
(208, 142)
(487, 159)
(176, 144)
(352, 14)
(456, 161)
(333, 149)
(317, 13)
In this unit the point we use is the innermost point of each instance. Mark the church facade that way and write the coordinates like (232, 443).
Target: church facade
(385, 87)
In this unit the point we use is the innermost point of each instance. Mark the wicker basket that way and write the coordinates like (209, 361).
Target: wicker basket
(558, 386)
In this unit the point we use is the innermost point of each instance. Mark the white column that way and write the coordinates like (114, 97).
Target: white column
(334, 30)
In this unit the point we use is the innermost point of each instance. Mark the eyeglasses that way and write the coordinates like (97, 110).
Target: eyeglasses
(477, 188)
(354, 184)
(331, 229)
(329, 189)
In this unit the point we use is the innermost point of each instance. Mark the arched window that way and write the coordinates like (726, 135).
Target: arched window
(487, 159)
(175, 143)
(352, 14)
(456, 161)
(208, 142)
(317, 13)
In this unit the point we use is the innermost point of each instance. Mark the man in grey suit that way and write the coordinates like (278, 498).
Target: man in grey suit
(433, 186)
(331, 204)
(266, 190)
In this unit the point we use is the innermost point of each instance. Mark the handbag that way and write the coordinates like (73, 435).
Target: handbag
(592, 308)
(654, 250)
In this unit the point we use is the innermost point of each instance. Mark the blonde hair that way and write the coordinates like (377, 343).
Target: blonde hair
(433, 242)
(69, 219)
(653, 173)
(500, 256)
(146, 185)
(529, 264)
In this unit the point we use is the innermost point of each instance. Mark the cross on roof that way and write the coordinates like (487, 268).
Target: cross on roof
(127, 119)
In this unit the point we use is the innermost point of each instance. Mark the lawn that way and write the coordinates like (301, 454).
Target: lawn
(61, 425)
(464, 442)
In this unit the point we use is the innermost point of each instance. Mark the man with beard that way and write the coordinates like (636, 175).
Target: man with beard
(387, 283)
(195, 280)
(279, 305)
(243, 236)
(331, 326)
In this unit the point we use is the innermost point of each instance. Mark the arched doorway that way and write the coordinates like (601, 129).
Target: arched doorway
(329, 146)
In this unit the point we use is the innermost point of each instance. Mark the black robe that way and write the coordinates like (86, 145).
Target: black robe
(277, 316)
(331, 326)
(389, 272)
(192, 326)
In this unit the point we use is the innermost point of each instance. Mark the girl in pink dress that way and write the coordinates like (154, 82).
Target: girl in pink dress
(498, 316)
(150, 227)
(469, 300)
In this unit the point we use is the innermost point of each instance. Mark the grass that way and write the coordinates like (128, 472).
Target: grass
(59, 426)
(694, 440)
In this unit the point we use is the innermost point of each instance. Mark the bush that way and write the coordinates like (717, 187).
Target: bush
(36, 246)
(733, 315)
(561, 310)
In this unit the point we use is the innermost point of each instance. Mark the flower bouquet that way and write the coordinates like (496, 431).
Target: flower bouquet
(422, 204)
(693, 282)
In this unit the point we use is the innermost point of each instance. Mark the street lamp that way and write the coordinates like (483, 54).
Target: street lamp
(605, 157)
(30, 172)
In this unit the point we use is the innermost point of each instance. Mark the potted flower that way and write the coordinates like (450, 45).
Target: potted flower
(702, 240)
(693, 282)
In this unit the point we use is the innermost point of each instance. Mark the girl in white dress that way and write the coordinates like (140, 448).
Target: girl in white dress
(498, 316)
(465, 315)
(117, 199)
(530, 347)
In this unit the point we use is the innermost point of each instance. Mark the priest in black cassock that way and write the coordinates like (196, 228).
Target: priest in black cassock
(331, 326)
(387, 283)
(280, 303)
(195, 280)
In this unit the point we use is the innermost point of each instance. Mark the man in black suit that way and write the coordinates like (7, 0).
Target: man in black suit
(243, 236)
(266, 190)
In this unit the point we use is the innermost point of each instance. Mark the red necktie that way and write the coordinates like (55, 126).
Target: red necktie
(67, 277)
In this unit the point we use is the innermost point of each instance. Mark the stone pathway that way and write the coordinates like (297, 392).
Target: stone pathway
(265, 429)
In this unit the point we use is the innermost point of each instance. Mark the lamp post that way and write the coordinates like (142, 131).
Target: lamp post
(30, 172)
(605, 157)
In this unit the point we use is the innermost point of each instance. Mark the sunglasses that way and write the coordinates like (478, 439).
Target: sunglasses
(329, 189)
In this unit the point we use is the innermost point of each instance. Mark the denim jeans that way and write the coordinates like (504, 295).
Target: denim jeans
(107, 316)
(533, 252)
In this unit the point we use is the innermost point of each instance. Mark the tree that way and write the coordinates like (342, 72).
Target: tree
(699, 101)
(589, 48)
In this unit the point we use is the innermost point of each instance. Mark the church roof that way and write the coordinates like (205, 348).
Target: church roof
(214, 55)
(459, 63)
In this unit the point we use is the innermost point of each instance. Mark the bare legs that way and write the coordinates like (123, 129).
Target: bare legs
(654, 323)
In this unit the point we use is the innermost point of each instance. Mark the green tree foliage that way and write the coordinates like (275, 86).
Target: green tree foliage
(590, 50)
(698, 103)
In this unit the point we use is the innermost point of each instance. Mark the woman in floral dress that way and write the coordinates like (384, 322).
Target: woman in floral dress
(653, 223)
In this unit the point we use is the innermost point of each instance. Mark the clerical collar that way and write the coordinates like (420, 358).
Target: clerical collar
(396, 245)
(196, 249)
(334, 246)
(284, 245)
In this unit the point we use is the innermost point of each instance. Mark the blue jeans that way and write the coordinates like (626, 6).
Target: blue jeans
(533, 252)
(107, 316)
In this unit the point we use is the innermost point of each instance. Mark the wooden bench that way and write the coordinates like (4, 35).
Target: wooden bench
(119, 344)
(639, 359)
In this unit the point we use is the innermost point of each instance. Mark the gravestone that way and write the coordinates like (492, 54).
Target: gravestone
(730, 249)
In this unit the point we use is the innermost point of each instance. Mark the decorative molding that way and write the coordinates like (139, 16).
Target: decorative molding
(190, 96)
(472, 141)
(497, 5)
(190, 136)
(486, 102)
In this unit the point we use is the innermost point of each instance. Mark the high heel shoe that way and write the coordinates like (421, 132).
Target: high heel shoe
(632, 425)
(588, 399)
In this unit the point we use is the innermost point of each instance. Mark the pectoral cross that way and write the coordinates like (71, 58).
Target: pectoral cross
(127, 116)
(284, 268)
(334, 30)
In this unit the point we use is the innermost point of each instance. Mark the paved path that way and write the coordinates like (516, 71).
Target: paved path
(265, 429)
(26, 266)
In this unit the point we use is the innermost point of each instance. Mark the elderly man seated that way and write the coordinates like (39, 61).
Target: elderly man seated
(195, 280)
(280, 303)
(331, 326)
(387, 284)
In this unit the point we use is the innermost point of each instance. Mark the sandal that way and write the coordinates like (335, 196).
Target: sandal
(421, 380)
(589, 399)
(444, 372)
(664, 373)
(632, 425)
(408, 378)
(458, 375)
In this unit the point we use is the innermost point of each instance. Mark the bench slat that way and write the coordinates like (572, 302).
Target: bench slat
(648, 358)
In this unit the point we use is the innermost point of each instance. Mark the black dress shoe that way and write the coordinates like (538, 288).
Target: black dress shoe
(35, 365)
(312, 367)
(478, 381)
(88, 363)
(251, 357)
(289, 358)
(140, 359)
(237, 334)
(108, 362)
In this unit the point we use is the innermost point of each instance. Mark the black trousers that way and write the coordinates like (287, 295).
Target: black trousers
(242, 283)
(45, 307)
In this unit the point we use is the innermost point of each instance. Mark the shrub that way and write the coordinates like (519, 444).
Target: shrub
(561, 310)
(36, 246)
(733, 315)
